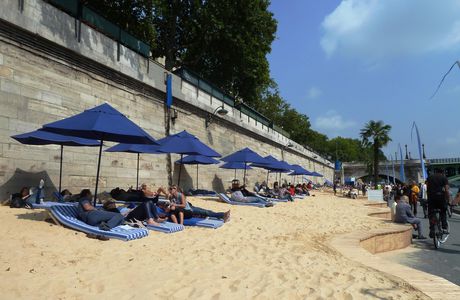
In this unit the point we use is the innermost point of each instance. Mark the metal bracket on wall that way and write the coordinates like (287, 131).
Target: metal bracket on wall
(21, 5)
(78, 21)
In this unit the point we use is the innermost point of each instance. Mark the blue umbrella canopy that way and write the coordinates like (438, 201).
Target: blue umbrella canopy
(185, 143)
(298, 170)
(271, 164)
(102, 122)
(41, 137)
(235, 166)
(316, 174)
(197, 160)
(245, 155)
(136, 148)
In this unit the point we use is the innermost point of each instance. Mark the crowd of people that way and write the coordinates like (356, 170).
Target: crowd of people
(147, 207)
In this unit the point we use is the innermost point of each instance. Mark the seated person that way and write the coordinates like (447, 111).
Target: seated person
(87, 213)
(283, 193)
(238, 195)
(153, 195)
(291, 189)
(404, 214)
(19, 200)
(191, 212)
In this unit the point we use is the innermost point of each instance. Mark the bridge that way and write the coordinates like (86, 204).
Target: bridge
(412, 169)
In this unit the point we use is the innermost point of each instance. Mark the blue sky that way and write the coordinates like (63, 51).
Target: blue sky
(343, 63)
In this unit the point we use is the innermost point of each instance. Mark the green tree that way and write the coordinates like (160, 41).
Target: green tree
(135, 16)
(375, 134)
(229, 41)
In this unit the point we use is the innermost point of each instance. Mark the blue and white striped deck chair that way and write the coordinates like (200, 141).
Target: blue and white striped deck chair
(271, 199)
(226, 199)
(47, 204)
(67, 215)
(166, 227)
(207, 222)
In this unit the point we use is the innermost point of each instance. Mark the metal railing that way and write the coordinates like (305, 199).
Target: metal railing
(90, 17)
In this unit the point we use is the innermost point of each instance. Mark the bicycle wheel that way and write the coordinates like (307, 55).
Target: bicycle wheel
(437, 232)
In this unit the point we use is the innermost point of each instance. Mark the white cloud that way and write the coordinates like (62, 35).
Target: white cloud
(314, 93)
(377, 29)
(332, 123)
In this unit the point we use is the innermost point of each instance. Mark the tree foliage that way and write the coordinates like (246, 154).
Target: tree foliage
(226, 42)
(375, 134)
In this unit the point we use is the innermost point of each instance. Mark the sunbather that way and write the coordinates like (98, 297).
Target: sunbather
(153, 195)
(181, 209)
(19, 200)
(238, 196)
(105, 220)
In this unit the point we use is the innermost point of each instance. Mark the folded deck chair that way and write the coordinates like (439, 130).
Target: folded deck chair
(67, 215)
(208, 222)
(48, 204)
(271, 199)
(166, 227)
(226, 199)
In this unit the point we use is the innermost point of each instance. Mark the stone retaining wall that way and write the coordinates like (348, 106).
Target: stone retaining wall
(38, 88)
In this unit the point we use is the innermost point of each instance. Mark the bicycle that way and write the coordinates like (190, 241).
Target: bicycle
(439, 236)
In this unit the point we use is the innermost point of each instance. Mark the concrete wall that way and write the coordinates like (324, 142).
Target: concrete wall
(38, 88)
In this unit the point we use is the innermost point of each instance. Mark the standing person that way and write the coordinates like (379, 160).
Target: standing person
(438, 198)
(424, 199)
(335, 187)
(414, 191)
(364, 189)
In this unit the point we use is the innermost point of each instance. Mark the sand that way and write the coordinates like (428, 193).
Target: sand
(271, 253)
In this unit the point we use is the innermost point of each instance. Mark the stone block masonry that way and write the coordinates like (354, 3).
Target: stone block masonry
(38, 87)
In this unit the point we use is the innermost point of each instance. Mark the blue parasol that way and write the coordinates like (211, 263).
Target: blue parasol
(197, 160)
(40, 137)
(185, 143)
(245, 156)
(103, 123)
(136, 148)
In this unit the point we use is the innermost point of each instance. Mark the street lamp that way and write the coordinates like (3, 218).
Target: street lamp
(407, 156)
(423, 155)
(221, 111)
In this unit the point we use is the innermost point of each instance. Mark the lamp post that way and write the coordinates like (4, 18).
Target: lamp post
(407, 156)
(221, 111)
(423, 155)
(288, 145)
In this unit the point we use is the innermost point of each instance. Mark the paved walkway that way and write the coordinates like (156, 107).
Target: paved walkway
(444, 262)
(433, 286)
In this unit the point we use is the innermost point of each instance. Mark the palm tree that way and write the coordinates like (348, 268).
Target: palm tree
(375, 134)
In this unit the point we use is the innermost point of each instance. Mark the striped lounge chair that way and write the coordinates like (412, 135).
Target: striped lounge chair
(166, 227)
(226, 199)
(67, 215)
(207, 222)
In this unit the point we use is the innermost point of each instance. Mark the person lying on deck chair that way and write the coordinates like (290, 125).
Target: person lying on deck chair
(87, 213)
(181, 209)
(145, 211)
(238, 195)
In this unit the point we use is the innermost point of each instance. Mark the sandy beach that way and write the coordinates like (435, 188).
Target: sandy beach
(272, 253)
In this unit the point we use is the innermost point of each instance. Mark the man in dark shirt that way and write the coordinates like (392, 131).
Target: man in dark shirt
(438, 198)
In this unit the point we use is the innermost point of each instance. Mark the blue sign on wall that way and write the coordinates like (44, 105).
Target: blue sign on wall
(338, 165)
